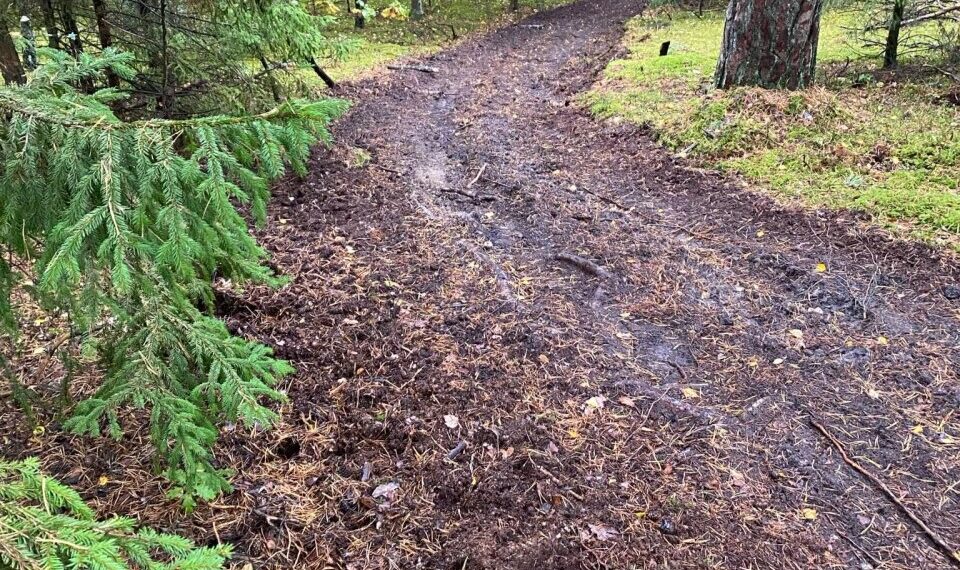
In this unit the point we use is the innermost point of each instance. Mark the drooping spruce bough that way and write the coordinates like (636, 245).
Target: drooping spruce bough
(45, 525)
(126, 225)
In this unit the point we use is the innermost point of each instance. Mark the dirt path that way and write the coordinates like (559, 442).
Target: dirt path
(628, 353)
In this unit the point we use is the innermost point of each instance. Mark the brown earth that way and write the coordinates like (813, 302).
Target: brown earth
(527, 339)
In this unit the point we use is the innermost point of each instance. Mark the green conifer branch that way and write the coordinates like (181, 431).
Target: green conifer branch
(129, 223)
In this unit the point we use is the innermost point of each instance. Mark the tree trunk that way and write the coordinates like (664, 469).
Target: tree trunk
(105, 35)
(770, 43)
(416, 9)
(322, 74)
(359, 20)
(26, 32)
(50, 23)
(271, 80)
(893, 35)
(70, 27)
(10, 66)
(514, 5)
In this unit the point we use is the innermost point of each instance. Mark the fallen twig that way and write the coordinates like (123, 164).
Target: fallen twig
(952, 76)
(456, 451)
(384, 168)
(477, 177)
(935, 538)
(603, 198)
(497, 183)
(421, 68)
(470, 195)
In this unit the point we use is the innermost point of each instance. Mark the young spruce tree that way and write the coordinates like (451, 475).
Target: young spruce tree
(127, 224)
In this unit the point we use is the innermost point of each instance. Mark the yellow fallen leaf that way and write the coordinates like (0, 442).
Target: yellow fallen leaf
(821, 267)
(103, 480)
(761, 233)
(873, 394)
(796, 333)
(882, 341)
(574, 434)
(690, 393)
(640, 514)
(596, 402)
(917, 429)
(543, 359)
(809, 514)
(753, 362)
(38, 431)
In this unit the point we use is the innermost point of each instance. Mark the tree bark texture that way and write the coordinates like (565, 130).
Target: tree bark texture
(770, 44)
(26, 33)
(70, 27)
(10, 66)
(101, 13)
(50, 23)
(892, 48)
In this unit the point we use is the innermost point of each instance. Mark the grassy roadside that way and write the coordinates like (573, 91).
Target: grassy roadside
(880, 142)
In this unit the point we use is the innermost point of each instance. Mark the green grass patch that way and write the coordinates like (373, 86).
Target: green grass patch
(882, 142)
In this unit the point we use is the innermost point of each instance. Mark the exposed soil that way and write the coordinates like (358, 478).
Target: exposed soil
(628, 352)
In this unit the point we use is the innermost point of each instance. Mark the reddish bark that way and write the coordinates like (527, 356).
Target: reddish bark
(10, 66)
(770, 43)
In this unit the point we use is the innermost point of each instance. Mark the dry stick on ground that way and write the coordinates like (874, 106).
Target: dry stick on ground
(458, 191)
(952, 76)
(477, 177)
(937, 540)
(421, 68)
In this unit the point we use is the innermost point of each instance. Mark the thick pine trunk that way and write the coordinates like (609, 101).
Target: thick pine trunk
(893, 35)
(416, 9)
(770, 43)
(10, 66)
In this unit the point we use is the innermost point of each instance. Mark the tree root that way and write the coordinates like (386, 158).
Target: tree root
(584, 265)
(931, 534)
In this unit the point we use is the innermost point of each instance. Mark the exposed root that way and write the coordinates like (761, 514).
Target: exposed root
(584, 265)
(932, 535)
(503, 280)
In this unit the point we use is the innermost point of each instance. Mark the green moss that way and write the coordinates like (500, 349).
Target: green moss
(855, 141)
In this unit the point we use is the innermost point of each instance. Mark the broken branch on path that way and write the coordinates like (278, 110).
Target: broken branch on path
(934, 537)
(420, 68)
(477, 177)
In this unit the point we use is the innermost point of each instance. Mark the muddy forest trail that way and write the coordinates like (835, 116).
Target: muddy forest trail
(529, 339)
